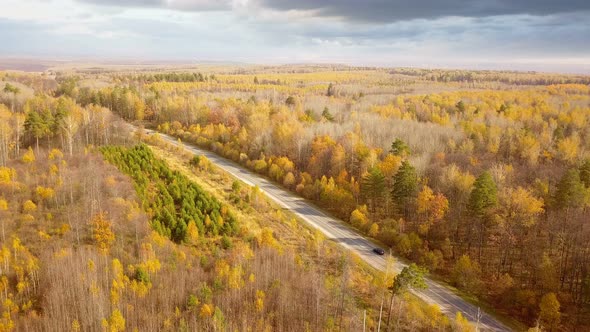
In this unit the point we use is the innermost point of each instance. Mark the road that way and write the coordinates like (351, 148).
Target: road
(335, 230)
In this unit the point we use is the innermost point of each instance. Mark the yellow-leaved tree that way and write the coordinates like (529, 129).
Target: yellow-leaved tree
(101, 231)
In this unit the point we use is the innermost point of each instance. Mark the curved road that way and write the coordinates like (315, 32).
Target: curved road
(335, 229)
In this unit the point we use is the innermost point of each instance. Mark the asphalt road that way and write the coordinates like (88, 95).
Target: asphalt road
(335, 230)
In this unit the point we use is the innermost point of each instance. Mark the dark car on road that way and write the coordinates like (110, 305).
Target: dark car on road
(379, 251)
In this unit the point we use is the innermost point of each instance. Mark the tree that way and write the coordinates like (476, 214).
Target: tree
(116, 321)
(483, 196)
(405, 185)
(3, 207)
(460, 106)
(411, 277)
(331, 90)
(550, 315)
(327, 115)
(400, 148)
(434, 207)
(570, 191)
(36, 126)
(466, 273)
(9, 88)
(373, 187)
(101, 231)
(290, 101)
(585, 173)
(29, 156)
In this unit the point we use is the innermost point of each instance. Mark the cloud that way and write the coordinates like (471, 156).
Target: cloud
(183, 5)
(363, 32)
(396, 10)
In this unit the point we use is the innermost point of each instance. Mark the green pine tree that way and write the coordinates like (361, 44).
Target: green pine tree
(400, 148)
(405, 187)
(373, 186)
(570, 191)
(483, 196)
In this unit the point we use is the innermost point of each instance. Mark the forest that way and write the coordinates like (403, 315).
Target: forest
(482, 177)
(101, 232)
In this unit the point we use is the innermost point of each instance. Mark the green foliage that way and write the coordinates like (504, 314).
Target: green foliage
(9, 88)
(192, 302)
(585, 173)
(461, 106)
(327, 115)
(405, 185)
(172, 200)
(38, 125)
(226, 242)
(141, 275)
(195, 160)
(570, 190)
(484, 195)
(400, 148)
(373, 185)
(411, 277)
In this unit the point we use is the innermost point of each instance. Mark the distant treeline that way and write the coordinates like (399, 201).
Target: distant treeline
(170, 77)
(507, 77)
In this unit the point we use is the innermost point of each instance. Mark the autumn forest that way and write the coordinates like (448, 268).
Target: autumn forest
(479, 180)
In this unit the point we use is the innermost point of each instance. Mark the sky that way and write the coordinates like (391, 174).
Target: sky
(542, 35)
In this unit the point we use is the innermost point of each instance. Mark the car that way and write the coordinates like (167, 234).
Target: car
(379, 251)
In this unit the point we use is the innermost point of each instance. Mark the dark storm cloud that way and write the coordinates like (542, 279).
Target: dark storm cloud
(396, 10)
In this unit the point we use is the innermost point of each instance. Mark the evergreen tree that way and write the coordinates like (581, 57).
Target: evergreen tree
(36, 126)
(483, 196)
(373, 186)
(461, 106)
(405, 187)
(400, 148)
(331, 90)
(411, 277)
(327, 115)
(570, 190)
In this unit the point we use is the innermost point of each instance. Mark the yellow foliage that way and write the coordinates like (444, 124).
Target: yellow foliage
(266, 238)
(29, 206)
(359, 219)
(44, 235)
(7, 175)
(45, 193)
(76, 326)
(206, 311)
(116, 321)
(259, 302)
(101, 232)
(234, 278)
(29, 156)
(55, 154)
(567, 148)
